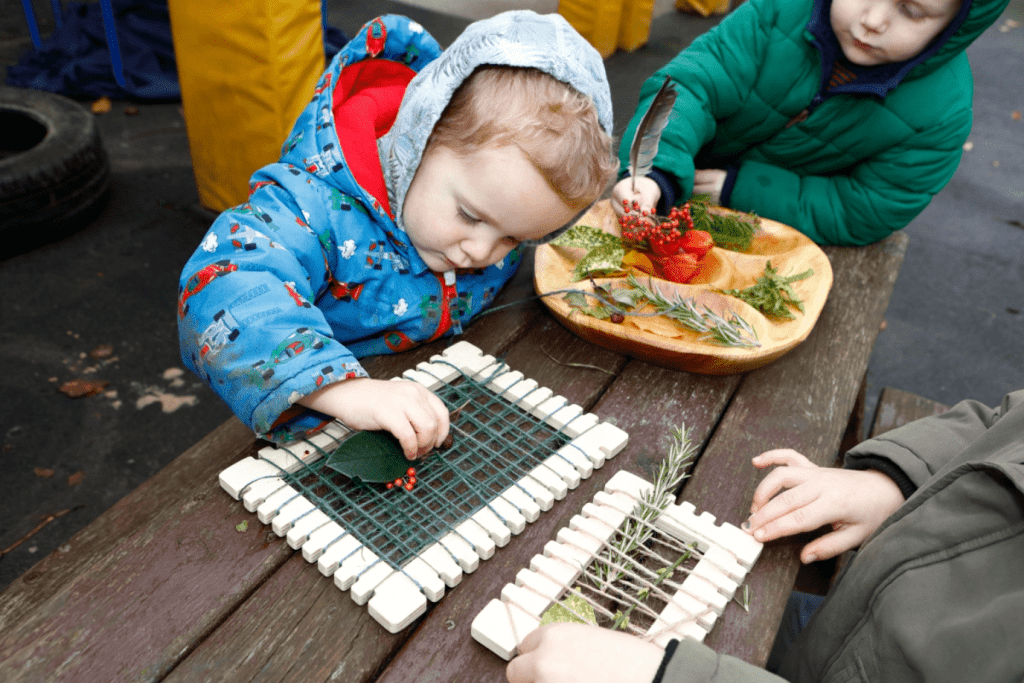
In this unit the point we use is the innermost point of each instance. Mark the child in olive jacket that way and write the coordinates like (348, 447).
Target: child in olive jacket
(935, 592)
(395, 214)
(816, 114)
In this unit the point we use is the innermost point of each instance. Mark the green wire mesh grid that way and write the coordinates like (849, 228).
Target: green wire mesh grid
(496, 444)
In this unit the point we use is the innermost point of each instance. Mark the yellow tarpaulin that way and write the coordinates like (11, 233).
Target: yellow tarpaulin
(246, 70)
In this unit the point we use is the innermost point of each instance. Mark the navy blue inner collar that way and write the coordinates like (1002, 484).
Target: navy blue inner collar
(872, 80)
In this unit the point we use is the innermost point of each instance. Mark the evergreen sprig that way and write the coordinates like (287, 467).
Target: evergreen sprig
(772, 293)
(731, 231)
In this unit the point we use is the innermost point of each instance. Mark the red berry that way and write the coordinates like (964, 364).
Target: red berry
(390, 485)
(408, 487)
(411, 471)
(412, 480)
(399, 482)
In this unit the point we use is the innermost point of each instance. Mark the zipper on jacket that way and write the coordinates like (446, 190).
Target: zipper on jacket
(802, 116)
(448, 294)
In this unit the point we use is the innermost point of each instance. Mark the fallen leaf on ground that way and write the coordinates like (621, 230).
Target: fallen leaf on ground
(77, 388)
(242, 526)
(131, 110)
(101, 106)
(1015, 115)
(102, 351)
(44, 472)
(76, 478)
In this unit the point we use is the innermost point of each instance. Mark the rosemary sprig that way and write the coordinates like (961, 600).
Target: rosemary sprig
(772, 293)
(727, 331)
(635, 532)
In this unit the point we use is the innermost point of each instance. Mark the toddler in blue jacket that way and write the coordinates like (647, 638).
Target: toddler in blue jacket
(397, 210)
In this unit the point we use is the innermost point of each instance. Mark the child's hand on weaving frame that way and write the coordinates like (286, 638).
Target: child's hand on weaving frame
(580, 653)
(853, 502)
(410, 411)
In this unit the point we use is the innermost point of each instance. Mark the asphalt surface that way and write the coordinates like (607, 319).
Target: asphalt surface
(953, 329)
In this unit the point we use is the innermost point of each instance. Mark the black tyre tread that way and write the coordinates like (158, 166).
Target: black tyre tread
(65, 176)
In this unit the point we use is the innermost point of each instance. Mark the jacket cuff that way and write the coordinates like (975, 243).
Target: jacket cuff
(669, 190)
(670, 650)
(731, 172)
(886, 467)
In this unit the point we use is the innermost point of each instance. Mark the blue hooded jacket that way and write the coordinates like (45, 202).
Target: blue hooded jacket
(286, 291)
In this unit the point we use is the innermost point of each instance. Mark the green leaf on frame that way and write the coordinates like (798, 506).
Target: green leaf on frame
(606, 258)
(563, 611)
(585, 237)
(372, 457)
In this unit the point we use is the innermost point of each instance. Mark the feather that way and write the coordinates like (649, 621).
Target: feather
(648, 132)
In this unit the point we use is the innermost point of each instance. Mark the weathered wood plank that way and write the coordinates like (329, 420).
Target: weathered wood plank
(149, 579)
(361, 646)
(91, 544)
(155, 590)
(442, 648)
(896, 408)
(804, 402)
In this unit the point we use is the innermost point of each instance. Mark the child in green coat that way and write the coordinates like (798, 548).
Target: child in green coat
(841, 118)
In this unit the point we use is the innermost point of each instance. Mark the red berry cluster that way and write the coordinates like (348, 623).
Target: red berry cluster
(408, 482)
(658, 235)
(677, 249)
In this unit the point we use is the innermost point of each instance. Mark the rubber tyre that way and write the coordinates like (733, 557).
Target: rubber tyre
(54, 171)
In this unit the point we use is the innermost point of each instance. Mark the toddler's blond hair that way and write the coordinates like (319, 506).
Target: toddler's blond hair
(554, 125)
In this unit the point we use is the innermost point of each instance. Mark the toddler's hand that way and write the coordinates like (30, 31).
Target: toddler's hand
(410, 411)
(709, 181)
(579, 653)
(854, 502)
(647, 194)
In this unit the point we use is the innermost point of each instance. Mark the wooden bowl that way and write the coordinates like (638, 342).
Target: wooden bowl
(663, 342)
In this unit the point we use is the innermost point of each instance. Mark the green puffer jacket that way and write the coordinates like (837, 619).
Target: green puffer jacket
(870, 154)
(936, 594)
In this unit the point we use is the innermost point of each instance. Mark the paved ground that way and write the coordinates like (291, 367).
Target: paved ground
(953, 328)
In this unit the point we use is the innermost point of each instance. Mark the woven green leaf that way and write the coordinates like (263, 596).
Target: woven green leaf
(599, 260)
(585, 237)
(372, 457)
(563, 611)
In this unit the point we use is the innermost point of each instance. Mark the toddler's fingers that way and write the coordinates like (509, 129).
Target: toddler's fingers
(781, 456)
(832, 544)
(791, 512)
(442, 425)
(776, 480)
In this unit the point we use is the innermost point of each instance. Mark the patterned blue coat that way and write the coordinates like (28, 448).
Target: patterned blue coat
(288, 290)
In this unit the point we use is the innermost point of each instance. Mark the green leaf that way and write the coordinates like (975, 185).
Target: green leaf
(558, 612)
(242, 526)
(372, 457)
(576, 299)
(585, 237)
(602, 259)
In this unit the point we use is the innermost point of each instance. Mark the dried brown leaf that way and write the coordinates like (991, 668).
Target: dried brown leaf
(102, 351)
(44, 472)
(101, 106)
(76, 478)
(78, 388)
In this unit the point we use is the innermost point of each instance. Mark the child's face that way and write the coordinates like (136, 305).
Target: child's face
(873, 32)
(469, 211)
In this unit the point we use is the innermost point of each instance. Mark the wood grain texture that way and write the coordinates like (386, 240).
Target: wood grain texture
(165, 566)
(164, 586)
(646, 401)
(896, 408)
(803, 401)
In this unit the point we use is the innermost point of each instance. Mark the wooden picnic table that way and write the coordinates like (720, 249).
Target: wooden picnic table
(163, 587)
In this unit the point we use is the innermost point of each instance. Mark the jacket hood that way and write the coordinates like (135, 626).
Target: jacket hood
(970, 22)
(517, 38)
